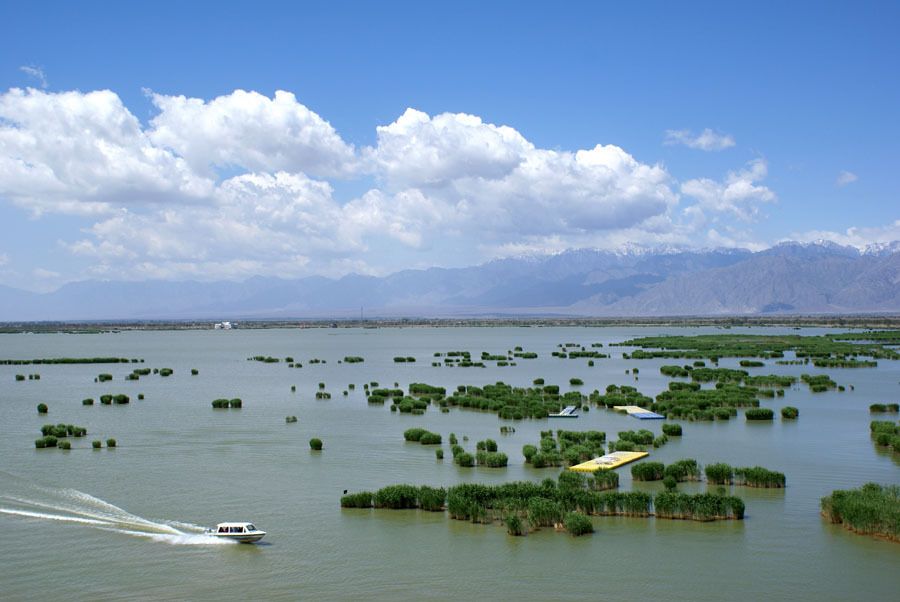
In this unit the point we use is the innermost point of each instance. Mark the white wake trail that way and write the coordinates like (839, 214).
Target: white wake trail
(72, 506)
(69, 519)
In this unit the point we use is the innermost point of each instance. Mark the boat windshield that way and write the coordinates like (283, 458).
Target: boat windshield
(251, 528)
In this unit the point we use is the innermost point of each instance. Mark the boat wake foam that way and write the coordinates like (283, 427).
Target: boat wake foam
(30, 501)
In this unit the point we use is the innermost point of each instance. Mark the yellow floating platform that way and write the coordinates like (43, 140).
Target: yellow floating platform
(639, 412)
(609, 461)
(631, 409)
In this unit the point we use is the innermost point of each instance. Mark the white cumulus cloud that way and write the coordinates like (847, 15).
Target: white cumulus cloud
(739, 194)
(418, 150)
(76, 152)
(490, 178)
(252, 131)
(707, 140)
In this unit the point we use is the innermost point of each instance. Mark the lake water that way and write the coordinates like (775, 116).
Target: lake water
(125, 523)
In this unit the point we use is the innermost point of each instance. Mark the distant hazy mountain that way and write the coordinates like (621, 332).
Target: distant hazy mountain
(787, 278)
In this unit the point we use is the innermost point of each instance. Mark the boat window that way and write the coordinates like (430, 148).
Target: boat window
(223, 530)
(251, 528)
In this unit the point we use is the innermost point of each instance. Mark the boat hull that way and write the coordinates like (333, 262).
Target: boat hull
(241, 537)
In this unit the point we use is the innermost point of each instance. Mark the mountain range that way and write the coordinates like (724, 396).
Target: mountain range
(789, 278)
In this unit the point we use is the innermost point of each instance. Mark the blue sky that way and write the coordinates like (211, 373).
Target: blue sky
(801, 99)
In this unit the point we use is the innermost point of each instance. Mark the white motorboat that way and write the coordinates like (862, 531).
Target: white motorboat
(240, 532)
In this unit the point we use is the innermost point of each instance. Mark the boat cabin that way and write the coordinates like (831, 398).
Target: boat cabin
(235, 528)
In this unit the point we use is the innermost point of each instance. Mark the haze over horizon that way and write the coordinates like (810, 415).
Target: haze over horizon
(330, 139)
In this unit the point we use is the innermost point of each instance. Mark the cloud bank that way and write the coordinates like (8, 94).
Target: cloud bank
(244, 184)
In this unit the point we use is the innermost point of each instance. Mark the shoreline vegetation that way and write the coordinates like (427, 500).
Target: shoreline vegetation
(110, 326)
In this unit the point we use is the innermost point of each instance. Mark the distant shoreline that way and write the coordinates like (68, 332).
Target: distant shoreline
(101, 326)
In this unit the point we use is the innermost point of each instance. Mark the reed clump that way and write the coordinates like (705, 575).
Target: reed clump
(431, 499)
(757, 476)
(61, 431)
(222, 404)
(514, 525)
(266, 359)
(465, 459)
(698, 507)
(684, 470)
(789, 413)
(492, 459)
(363, 499)
(55, 435)
(719, 474)
(759, 414)
(578, 524)
(872, 509)
(397, 497)
(671, 429)
(886, 433)
(429, 438)
(603, 480)
(414, 434)
(818, 383)
(648, 471)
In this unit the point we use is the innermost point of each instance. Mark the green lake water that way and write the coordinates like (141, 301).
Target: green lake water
(127, 523)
